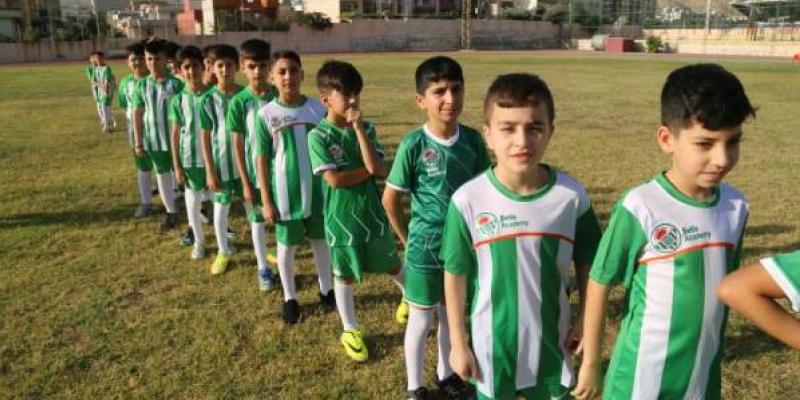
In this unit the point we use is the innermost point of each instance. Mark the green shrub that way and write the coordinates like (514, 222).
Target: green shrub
(653, 44)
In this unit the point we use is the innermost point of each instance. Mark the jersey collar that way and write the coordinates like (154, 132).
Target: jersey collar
(551, 181)
(449, 142)
(665, 184)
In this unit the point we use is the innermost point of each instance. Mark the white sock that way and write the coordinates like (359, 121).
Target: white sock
(109, 116)
(166, 190)
(193, 215)
(322, 257)
(399, 280)
(206, 196)
(145, 192)
(443, 369)
(286, 269)
(221, 226)
(419, 323)
(345, 303)
(100, 113)
(259, 233)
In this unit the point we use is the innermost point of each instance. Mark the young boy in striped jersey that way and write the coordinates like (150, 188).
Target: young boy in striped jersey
(152, 99)
(127, 88)
(241, 122)
(670, 241)
(187, 154)
(345, 151)
(515, 230)
(222, 176)
(431, 162)
(751, 291)
(103, 86)
(292, 194)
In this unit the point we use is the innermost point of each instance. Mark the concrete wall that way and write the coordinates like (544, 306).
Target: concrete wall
(772, 42)
(359, 36)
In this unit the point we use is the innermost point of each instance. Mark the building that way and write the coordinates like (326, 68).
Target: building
(146, 18)
(205, 17)
(10, 18)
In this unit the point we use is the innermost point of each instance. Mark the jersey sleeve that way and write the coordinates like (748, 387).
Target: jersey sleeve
(174, 114)
(206, 122)
(457, 253)
(321, 159)
(263, 137)
(785, 271)
(372, 136)
(123, 101)
(234, 119)
(138, 94)
(737, 255)
(400, 176)
(587, 237)
(619, 250)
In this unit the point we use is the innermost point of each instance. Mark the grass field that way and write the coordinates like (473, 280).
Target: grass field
(95, 304)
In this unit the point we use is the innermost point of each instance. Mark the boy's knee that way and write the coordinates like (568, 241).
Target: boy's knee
(395, 271)
(344, 281)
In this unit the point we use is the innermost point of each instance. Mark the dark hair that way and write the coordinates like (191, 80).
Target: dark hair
(255, 49)
(97, 53)
(224, 51)
(136, 49)
(189, 53)
(340, 76)
(436, 69)
(156, 46)
(706, 93)
(518, 90)
(206, 51)
(288, 55)
(171, 49)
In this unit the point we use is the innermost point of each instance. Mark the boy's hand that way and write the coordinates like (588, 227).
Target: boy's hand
(139, 151)
(574, 341)
(179, 177)
(270, 212)
(213, 183)
(463, 363)
(588, 386)
(248, 193)
(353, 115)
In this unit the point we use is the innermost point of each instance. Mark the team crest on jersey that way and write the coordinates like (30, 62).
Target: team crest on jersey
(431, 160)
(336, 151)
(666, 238)
(486, 225)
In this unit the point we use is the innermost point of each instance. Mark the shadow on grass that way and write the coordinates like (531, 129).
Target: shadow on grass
(772, 229)
(770, 250)
(74, 218)
(750, 342)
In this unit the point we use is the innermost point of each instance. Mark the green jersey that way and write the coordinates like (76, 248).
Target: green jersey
(241, 120)
(431, 169)
(127, 89)
(282, 133)
(671, 252)
(185, 111)
(212, 118)
(519, 250)
(103, 84)
(353, 215)
(785, 270)
(156, 98)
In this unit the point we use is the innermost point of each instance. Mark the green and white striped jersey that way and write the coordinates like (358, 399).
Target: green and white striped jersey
(99, 76)
(353, 215)
(185, 112)
(127, 89)
(431, 169)
(241, 120)
(212, 118)
(785, 270)
(282, 133)
(518, 250)
(671, 252)
(156, 98)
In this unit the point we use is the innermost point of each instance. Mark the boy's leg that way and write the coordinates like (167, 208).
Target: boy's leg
(143, 178)
(221, 210)
(345, 304)
(286, 269)
(162, 160)
(315, 233)
(443, 370)
(101, 113)
(193, 202)
(419, 323)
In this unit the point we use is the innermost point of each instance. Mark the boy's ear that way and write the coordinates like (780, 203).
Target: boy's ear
(665, 139)
(420, 99)
(486, 134)
(323, 97)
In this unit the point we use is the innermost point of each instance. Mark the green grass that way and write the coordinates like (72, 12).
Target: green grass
(94, 304)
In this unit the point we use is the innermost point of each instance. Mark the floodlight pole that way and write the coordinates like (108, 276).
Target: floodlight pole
(465, 28)
(96, 18)
(708, 16)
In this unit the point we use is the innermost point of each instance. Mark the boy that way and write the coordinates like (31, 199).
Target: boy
(127, 88)
(209, 79)
(241, 121)
(187, 155)
(431, 163)
(292, 194)
(344, 150)
(515, 230)
(103, 85)
(171, 52)
(222, 177)
(671, 241)
(751, 291)
(152, 99)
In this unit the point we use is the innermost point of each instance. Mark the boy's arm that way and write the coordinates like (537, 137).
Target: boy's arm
(176, 160)
(589, 381)
(208, 160)
(239, 159)
(397, 183)
(587, 238)
(397, 218)
(372, 161)
(263, 153)
(138, 144)
(322, 163)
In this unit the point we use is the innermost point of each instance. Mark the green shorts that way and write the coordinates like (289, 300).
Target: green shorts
(554, 391)
(195, 178)
(227, 190)
(423, 287)
(292, 233)
(379, 255)
(143, 163)
(162, 160)
(785, 270)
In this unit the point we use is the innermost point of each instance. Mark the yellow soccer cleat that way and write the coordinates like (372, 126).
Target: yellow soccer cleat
(220, 264)
(401, 315)
(354, 346)
(272, 258)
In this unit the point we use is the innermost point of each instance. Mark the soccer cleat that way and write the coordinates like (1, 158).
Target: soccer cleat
(198, 251)
(354, 346)
(231, 234)
(291, 312)
(272, 258)
(143, 211)
(187, 239)
(170, 221)
(453, 388)
(266, 280)
(328, 300)
(401, 315)
(220, 264)
(420, 393)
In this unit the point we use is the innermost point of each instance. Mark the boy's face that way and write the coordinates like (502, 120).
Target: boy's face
(442, 100)
(255, 71)
(700, 157)
(225, 69)
(172, 65)
(99, 60)
(192, 70)
(136, 64)
(155, 63)
(287, 76)
(338, 103)
(518, 136)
